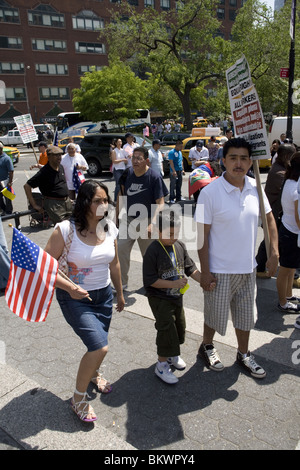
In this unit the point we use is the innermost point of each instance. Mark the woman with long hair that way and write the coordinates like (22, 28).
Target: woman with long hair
(92, 259)
(289, 251)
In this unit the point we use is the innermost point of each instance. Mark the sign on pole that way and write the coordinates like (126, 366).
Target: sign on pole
(248, 122)
(26, 128)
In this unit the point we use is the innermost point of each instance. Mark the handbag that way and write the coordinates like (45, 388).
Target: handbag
(62, 260)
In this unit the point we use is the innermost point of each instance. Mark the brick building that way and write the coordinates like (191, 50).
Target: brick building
(47, 46)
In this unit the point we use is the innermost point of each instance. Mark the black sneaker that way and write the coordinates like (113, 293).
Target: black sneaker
(211, 357)
(251, 365)
(297, 323)
(290, 308)
(295, 299)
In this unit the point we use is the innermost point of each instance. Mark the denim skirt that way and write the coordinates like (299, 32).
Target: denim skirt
(89, 319)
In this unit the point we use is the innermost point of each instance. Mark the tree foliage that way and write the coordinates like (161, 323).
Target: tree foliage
(180, 46)
(113, 93)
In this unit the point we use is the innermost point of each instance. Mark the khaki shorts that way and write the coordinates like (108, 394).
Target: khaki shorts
(235, 293)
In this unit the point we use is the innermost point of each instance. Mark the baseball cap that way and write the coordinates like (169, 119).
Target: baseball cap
(199, 143)
(129, 134)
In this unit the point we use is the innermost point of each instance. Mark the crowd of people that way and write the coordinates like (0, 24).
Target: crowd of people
(96, 250)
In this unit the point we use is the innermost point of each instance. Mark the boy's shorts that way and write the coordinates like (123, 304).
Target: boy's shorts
(170, 326)
(235, 292)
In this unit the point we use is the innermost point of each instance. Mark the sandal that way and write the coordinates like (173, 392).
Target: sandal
(85, 411)
(102, 384)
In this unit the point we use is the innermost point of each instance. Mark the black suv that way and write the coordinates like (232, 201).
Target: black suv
(95, 149)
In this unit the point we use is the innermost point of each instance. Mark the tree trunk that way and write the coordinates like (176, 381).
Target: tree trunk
(186, 107)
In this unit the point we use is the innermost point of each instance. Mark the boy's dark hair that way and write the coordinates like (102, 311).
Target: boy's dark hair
(167, 219)
(285, 153)
(142, 150)
(293, 169)
(237, 142)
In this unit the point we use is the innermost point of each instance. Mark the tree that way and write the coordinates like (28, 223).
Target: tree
(180, 46)
(263, 37)
(113, 93)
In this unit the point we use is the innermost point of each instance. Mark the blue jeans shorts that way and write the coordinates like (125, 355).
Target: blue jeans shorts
(89, 319)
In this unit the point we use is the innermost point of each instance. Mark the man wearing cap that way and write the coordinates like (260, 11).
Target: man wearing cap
(51, 181)
(129, 147)
(155, 157)
(198, 154)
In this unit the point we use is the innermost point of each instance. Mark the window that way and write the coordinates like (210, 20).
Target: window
(221, 13)
(232, 15)
(51, 69)
(11, 67)
(90, 47)
(233, 3)
(88, 68)
(149, 3)
(45, 15)
(10, 43)
(88, 21)
(54, 93)
(15, 94)
(48, 45)
(8, 14)
(165, 4)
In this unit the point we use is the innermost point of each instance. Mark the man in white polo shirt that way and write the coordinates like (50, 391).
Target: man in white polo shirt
(227, 219)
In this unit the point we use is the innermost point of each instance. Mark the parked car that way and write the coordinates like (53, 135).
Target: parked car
(13, 137)
(95, 149)
(13, 153)
(172, 137)
(77, 139)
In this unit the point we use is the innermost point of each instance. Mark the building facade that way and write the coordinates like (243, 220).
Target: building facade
(47, 46)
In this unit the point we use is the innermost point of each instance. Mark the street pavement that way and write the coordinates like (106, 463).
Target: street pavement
(205, 410)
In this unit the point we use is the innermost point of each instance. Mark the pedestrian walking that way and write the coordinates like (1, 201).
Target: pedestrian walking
(176, 172)
(88, 243)
(227, 214)
(166, 264)
(289, 229)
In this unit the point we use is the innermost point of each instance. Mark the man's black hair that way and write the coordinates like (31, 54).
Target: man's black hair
(237, 142)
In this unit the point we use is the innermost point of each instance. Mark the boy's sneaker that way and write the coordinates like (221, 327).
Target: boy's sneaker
(211, 357)
(251, 365)
(177, 362)
(289, 308)
(294, 298)
(163, 371)
(297, 323)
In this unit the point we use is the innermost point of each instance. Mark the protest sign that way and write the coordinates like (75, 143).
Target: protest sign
(249, 123)
(248, 119)
(27, 130)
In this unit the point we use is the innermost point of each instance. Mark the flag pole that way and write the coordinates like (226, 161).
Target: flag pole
(289, 130)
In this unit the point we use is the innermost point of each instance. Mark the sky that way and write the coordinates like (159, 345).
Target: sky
(270, 3)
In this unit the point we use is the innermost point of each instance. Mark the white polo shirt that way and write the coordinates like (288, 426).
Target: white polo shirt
(233, 216)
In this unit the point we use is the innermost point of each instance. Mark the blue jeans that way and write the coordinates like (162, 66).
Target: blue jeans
(117, 175)
(175, 185)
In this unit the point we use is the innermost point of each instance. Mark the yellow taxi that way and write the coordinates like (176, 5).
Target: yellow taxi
(200, 122)
(77, 139)
(189, 143)
(13, 153)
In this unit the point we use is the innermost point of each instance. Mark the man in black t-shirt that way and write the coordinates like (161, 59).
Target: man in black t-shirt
(51, 181)
(143, 190)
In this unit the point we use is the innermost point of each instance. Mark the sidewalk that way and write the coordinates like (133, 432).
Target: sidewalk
(205, 410)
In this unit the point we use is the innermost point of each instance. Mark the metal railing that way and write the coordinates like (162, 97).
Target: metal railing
(16, 216)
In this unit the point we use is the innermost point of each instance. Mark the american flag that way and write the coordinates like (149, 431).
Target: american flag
(32, 279)
(78, 179)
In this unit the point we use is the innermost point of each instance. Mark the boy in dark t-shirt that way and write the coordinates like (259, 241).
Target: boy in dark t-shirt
(165, 265)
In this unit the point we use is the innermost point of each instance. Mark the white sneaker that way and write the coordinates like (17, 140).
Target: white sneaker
(163, 371)
(177, 362)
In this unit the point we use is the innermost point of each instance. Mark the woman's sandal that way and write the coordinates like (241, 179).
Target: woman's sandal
(102, 384)
(85, 411)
